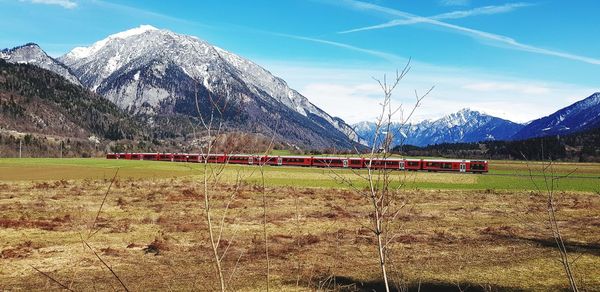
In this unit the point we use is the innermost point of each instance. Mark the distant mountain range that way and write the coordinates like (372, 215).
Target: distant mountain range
(472, 126)
(170, 80)
(463, 126)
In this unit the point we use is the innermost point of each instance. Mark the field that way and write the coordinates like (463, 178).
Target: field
(506, 175)
(456, 231)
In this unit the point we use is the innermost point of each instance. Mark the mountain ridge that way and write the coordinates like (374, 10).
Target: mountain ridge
(579, 116)
(152, 71)
(463, 126)
(32, 53)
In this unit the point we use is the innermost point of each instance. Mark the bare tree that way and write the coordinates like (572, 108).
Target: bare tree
(211, 126)
(547, 189)
(381, 196)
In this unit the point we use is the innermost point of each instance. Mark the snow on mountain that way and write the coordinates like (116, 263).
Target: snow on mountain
(580, 116)
(149, 70)
(463, 126)
(32, 54)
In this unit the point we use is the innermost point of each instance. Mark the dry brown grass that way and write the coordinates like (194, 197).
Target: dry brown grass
(152, 233)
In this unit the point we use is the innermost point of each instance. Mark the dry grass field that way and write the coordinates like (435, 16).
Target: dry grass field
(152, 233)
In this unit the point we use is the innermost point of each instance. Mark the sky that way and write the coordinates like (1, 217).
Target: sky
(511, 59)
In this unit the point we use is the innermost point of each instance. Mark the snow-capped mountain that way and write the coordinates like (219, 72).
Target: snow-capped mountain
(32, 54)
(150, 71)
(580, 116)
(463, 126)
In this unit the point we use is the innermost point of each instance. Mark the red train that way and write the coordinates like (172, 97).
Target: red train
(473, 166)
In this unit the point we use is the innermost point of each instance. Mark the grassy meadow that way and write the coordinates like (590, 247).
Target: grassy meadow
(508, 175)
(454, 231)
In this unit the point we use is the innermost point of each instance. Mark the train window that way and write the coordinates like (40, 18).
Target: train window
(295, 160)
(447, 165)
(477, 166)
(433, 164)
(413, 163)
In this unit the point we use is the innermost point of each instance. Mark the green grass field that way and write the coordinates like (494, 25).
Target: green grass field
(507, 175)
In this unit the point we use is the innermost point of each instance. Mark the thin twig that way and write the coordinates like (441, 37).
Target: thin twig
(52, 279)
(107, 266)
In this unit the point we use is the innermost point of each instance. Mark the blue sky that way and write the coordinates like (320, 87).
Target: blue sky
(515, 59)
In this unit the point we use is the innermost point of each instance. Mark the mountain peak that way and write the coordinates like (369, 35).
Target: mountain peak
(25, 46)
(145, 70)
(134, 31)
(32, 53)
(580, 116)
(468, 111)
(84, 52)
(465, 125)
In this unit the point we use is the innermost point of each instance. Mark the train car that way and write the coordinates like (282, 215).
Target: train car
(477, 166)
(388, 163)
(166, 156)
(296, 160)
(112, 156)
(193, 158)
(355, 162)
(444, 165)
(337, 162)
(394, 163)
(271, 160)
(180, 157)
(412, 164)
(242, 159)
(214, 158)
(149, 156)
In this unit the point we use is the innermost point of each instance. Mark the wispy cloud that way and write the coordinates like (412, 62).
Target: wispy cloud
(490, 38)
(413, 19)
(383, 55)
(455, 2)
(68, 4)
(485, 10)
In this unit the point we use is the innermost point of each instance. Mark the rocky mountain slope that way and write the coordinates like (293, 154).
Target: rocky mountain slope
(158, 73)
(32, 54)
(580, 116)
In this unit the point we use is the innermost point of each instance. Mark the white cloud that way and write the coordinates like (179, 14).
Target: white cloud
(350, 92)
(489, 38)
(351, 102)
(68, 4)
